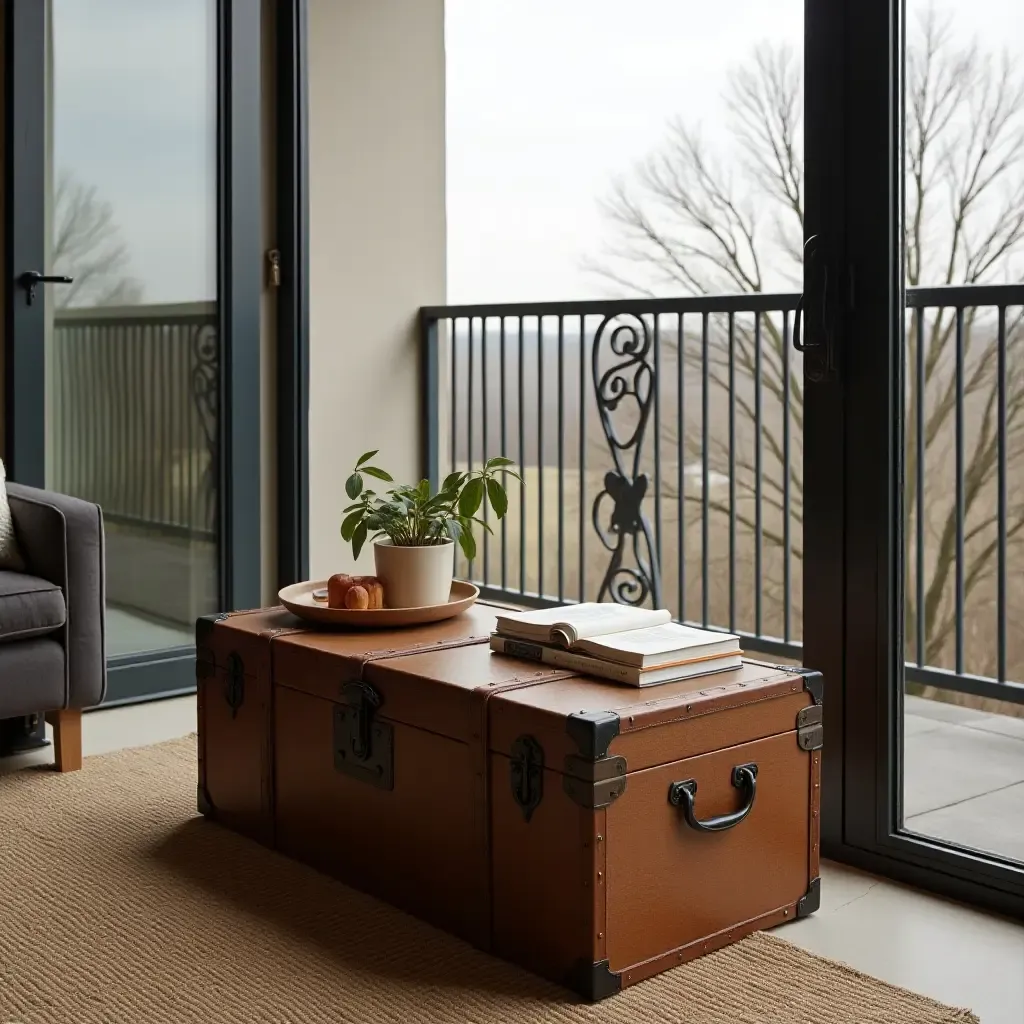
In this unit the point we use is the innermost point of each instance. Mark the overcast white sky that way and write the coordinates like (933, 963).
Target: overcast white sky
(134, 112)
(548, 100)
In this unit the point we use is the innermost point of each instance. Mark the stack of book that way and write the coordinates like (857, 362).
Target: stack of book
(636, 646)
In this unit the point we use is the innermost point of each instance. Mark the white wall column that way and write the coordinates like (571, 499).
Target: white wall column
(377, 240)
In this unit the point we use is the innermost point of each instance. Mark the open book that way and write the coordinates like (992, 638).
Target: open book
(637, 637)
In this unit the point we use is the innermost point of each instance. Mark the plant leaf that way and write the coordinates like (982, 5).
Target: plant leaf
(358, 539)
(379, 474)
(452, 480)
(472, 497)
(367, 457)
(498, 462)
(348, 527)
(497, 497)
(468, 544)
(354, 486)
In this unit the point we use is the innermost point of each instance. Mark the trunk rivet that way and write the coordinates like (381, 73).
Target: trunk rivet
(599, 876)
(600, 838)
(630, 719)
(600, 935)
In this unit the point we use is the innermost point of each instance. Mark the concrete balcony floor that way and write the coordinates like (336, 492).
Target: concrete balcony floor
(964, 776)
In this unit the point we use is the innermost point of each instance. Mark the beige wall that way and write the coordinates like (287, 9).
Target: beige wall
(377, 239)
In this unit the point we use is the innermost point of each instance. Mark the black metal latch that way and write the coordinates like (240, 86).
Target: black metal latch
(363, 747)
(817, 309)
(526, 774)
(234, 685)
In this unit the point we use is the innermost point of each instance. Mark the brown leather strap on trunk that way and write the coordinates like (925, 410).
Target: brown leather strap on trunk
(480, 754)
(421, 648)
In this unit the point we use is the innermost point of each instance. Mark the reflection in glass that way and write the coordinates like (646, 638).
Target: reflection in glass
(964, 425)
(132, 348)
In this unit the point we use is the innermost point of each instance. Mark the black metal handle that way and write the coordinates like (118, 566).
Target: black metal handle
(683, 794)
(813, 290)
(31, 279)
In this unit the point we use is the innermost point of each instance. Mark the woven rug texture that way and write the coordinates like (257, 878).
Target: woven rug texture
(118, 905)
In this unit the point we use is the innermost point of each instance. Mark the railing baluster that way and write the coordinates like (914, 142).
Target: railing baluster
(1001, 501)
(787, 594)
(681, 459)
(758, 524)
(503, 414)
(959, 489)
(454, 405)
(486, 453)
(657, 440)
(583, 461)
(919, 454)
(540, 457)
(732, 471)
(471, 361)
(561, 459)
(520, 366)
(704, 469)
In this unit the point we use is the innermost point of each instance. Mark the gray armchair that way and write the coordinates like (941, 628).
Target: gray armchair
(52, 655)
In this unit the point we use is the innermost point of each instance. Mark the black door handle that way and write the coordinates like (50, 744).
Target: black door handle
(683, 794)
(31, 279)
(815, 292)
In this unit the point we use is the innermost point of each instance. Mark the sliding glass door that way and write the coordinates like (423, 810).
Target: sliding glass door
(912, 310)
(131, 301)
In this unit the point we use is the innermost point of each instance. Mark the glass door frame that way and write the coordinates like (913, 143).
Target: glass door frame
(240, 284)
(853, 448)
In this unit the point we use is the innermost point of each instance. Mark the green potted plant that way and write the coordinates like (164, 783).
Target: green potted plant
(414, 531)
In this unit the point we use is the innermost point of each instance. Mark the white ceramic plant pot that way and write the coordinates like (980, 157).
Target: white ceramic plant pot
(414, 577)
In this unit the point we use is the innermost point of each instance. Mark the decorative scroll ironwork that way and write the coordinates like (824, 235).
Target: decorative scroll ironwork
(624, 383)
(206, 395)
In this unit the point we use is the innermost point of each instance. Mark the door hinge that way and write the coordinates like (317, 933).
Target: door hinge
(526, 774)
(274, 262)
(809, 729)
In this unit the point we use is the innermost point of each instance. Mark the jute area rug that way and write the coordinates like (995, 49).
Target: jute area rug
(118, 905)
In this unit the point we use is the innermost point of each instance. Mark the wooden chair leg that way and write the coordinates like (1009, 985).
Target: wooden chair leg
(67, 738)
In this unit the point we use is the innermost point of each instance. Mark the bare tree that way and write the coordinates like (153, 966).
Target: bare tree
(88, 246)
(701, 219)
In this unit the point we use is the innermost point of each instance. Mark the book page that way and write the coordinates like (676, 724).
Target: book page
(660, 639)
(588, 619)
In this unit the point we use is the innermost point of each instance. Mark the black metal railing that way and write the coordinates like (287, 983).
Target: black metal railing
(134, 413)
(661, 446)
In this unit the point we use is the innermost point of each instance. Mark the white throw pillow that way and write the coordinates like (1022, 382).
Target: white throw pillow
(10, 556)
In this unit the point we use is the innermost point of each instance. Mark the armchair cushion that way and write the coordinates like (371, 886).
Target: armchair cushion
(10, 555)
(61, 540)
(29, 606)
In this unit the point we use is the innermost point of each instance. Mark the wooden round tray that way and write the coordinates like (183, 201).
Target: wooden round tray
(299, 600)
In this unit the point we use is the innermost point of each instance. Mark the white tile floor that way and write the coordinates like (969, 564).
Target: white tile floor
(955, 954)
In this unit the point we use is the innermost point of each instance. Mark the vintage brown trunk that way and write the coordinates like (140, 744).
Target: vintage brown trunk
(559, 821)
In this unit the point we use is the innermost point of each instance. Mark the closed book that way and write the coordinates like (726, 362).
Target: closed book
(559, 657)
